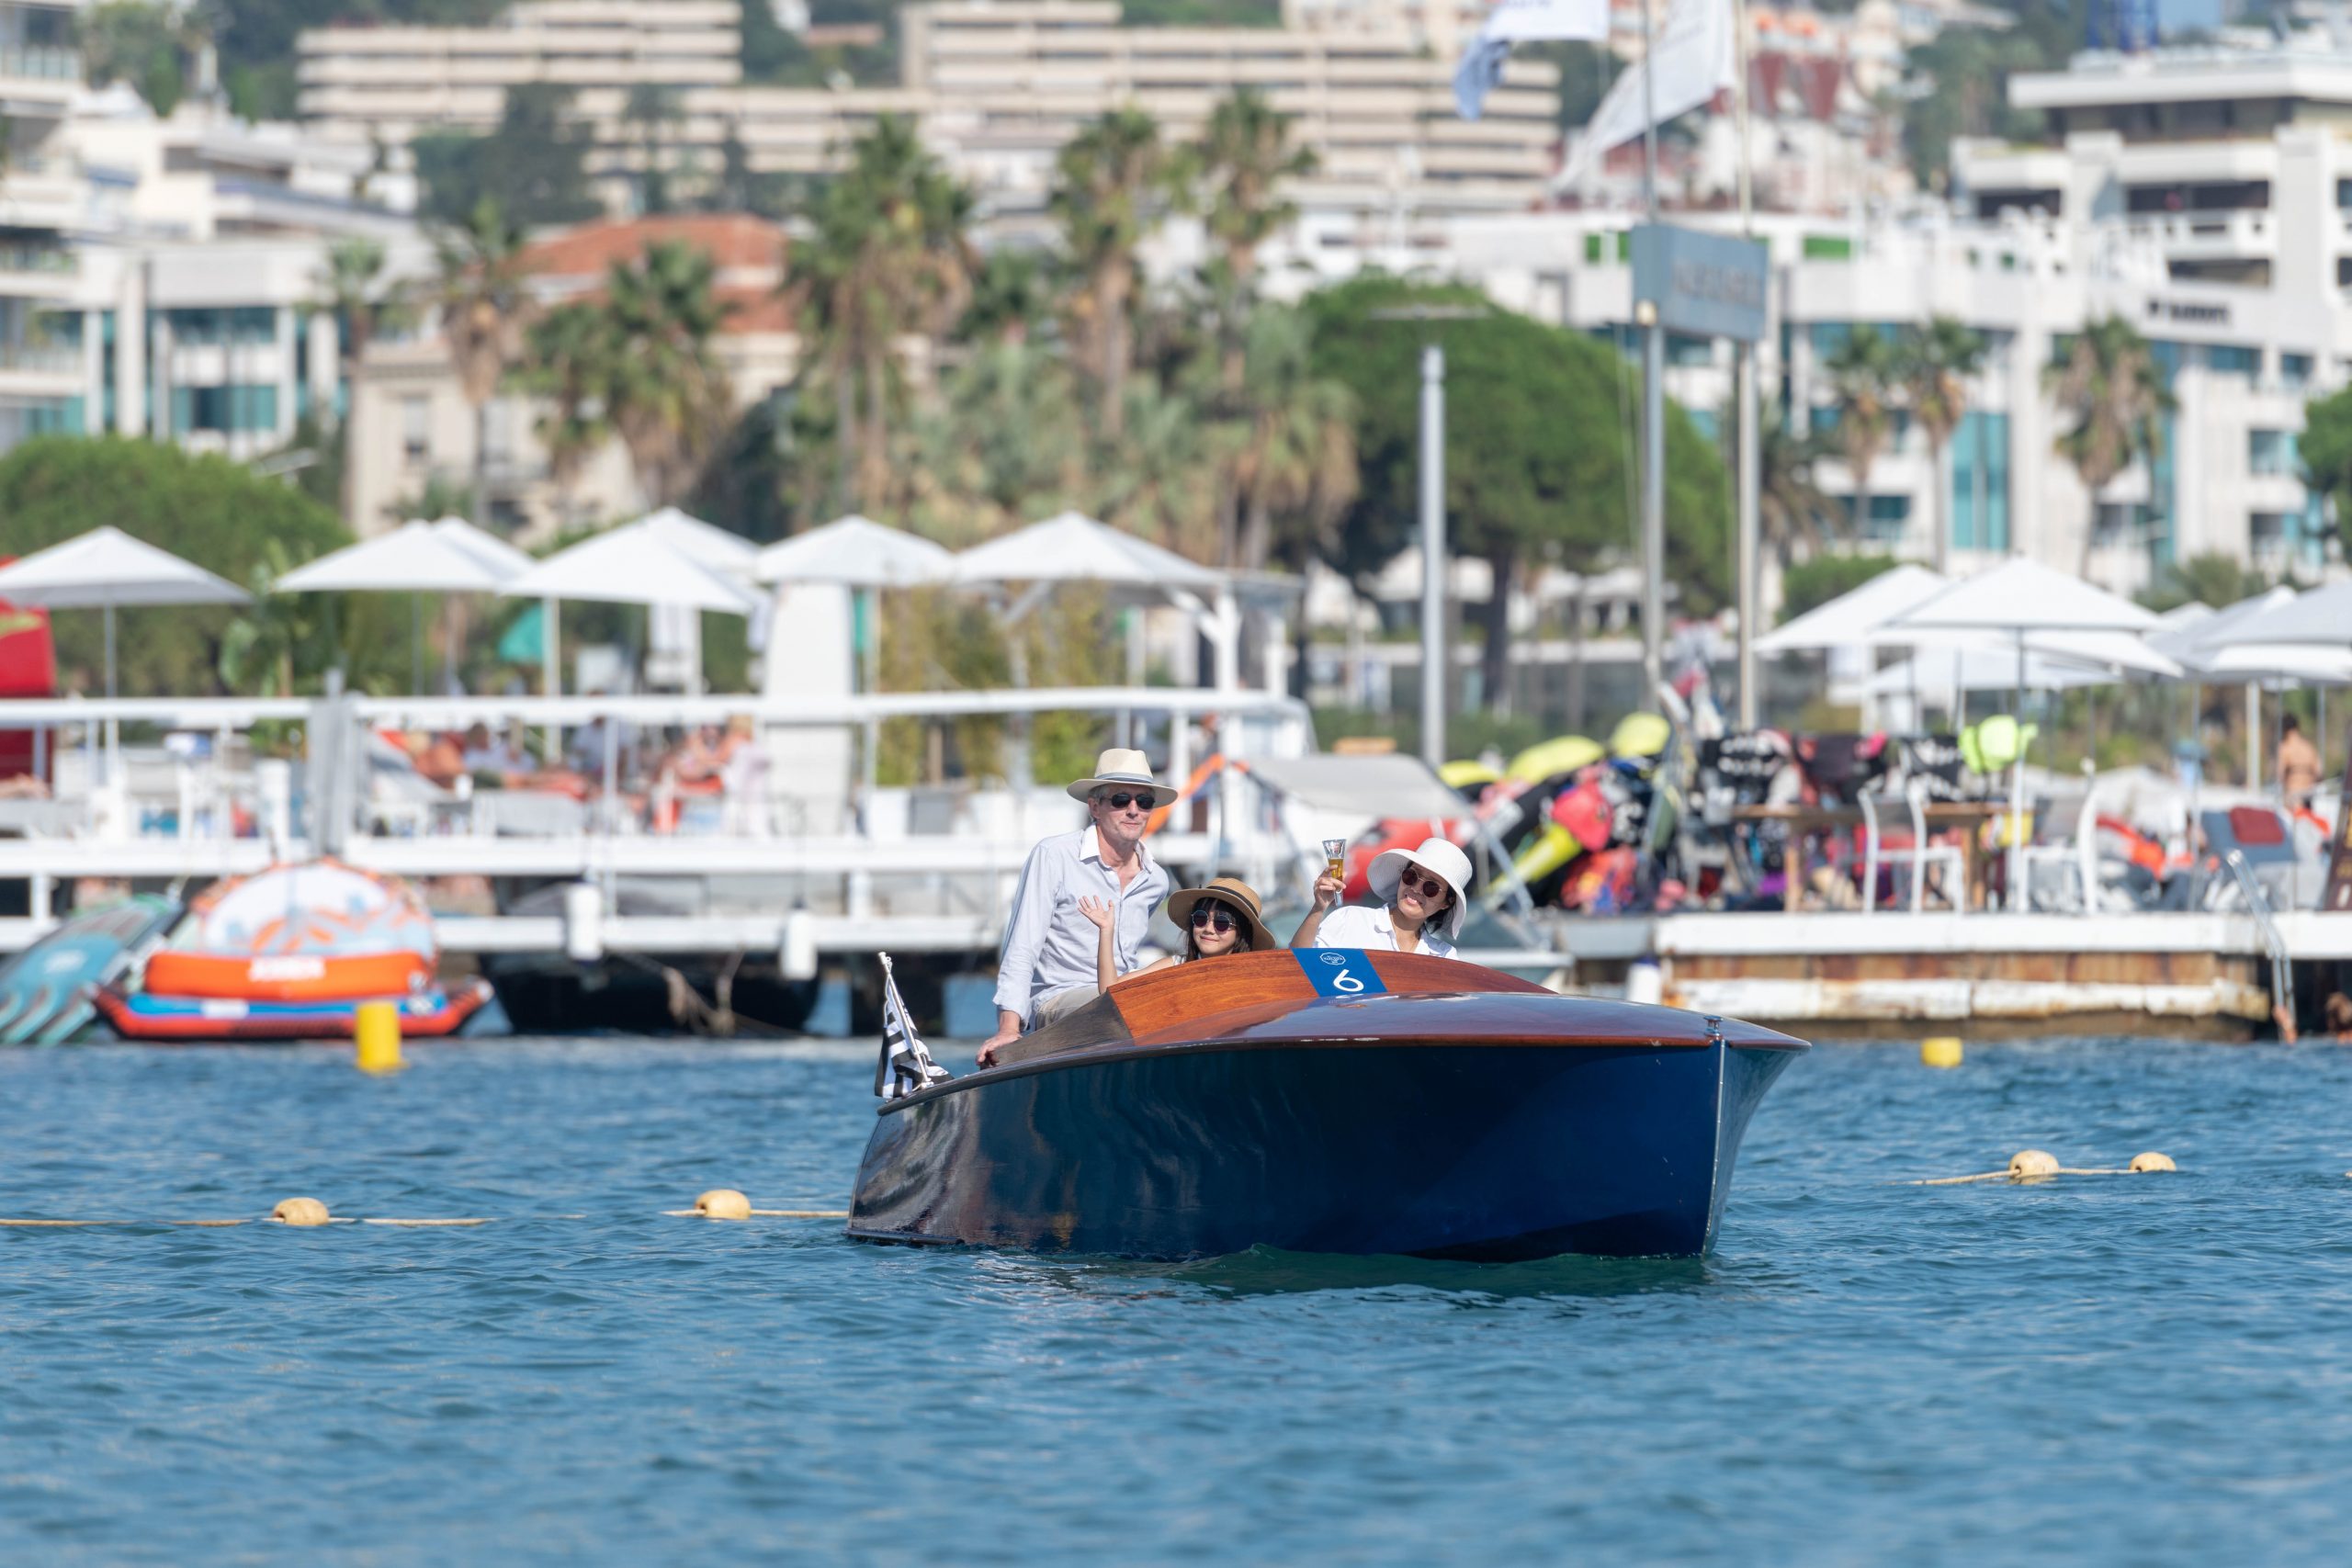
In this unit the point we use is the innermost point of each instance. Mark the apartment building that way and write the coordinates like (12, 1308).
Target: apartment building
(162, 277)
(40, 73)
(2202, 195)
(997, 87)
(398, 81)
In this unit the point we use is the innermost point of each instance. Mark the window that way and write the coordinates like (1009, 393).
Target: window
(1980, 483)
(416, 441)
(2295, 369)
(236, 406)
(2232, 359)
(2270, 452)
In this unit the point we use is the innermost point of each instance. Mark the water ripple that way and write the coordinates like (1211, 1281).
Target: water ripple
(2146, 1371)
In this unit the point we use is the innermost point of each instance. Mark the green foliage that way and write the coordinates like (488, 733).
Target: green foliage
(661, 388)
(534, 166)
(143, 44)
(2326, 450)
(2109, 388)
(1865, 376)
(1961, 78)
(1200, 14)
(2215, 579)
(206, 508)
(1810, 584)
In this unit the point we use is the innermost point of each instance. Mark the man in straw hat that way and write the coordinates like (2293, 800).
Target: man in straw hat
(1421, 910)
(1047, 965)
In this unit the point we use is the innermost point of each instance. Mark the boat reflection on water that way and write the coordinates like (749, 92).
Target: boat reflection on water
(1331, 1100)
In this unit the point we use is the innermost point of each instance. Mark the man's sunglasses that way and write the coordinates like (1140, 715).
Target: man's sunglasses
(1427, 887)
(1122, 800)
(1203, 917)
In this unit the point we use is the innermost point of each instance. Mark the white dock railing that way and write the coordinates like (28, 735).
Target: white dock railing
(810, 837)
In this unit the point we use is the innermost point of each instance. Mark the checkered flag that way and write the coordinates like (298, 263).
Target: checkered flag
(904, 1067)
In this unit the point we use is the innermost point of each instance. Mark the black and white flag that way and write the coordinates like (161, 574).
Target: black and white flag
(905, 1066)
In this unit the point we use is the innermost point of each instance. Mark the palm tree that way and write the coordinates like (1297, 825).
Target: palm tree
(1794, 514)
(485, 305)
(1295, 462)
(1935, 363)
(1110, 181)
(1241, 161)
(568, 355)
(352, 289)
(664, 391)
(2109, 388)
(1010, 293)
(890, 255)
(1863, 375)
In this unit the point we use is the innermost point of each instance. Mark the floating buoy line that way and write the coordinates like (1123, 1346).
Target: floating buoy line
(306, 1214)
(2039, 1165)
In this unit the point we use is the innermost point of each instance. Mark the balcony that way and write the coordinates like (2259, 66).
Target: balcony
(46, 72)
(39, 370)
(2218, 234)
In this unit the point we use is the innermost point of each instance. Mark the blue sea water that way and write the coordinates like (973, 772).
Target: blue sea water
(2144, 1369)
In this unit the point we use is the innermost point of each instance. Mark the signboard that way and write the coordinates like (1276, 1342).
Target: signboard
(1704, 284)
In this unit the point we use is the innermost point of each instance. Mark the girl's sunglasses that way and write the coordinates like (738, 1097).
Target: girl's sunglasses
(1427, 887)
(1205, 916)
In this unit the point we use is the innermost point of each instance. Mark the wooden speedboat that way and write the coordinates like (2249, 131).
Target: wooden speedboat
(1331, 1100)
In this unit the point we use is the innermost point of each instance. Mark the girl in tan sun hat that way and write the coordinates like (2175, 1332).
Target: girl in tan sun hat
(1423, 904)
(1219, 918)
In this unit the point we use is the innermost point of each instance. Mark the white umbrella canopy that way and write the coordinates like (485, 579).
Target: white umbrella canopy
(1933, 673)
(707, 545)
(106, 569)
(2021, 595)
(1854, 614)
(2321, 615)
(492, 551)
(855, 552)
(415, 557)
(1072, 547)
(630, 565)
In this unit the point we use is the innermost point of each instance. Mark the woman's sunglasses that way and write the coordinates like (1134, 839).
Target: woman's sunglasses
(1427, 887)
(1122, 800)
(1205, 916)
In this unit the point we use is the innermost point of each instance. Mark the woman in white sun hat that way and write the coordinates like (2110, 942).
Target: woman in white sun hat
(1423, 904)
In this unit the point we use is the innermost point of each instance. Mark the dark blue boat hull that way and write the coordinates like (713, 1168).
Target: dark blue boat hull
(1454, 1150)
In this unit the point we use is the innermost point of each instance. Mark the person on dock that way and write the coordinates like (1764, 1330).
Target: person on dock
(2298, 764)
(1423, 904)
(1219, 918)
(1047, 966)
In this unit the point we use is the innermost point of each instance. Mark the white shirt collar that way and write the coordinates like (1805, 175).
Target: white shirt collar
(1090, 848)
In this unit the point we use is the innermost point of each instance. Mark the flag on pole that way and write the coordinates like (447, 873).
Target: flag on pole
(905, 1066)
(1520, 21)
(1695, 58)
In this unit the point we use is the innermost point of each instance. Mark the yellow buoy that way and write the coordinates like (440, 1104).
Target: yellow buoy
(723, 1203)
(2026, 1164)
(376, 1032)
(1940, 1051)
(299, 1212)
(2153, 1161)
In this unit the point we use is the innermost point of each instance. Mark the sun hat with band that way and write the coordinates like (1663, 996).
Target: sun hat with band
(1235, 895)
(1441, 858)
(1120, 767)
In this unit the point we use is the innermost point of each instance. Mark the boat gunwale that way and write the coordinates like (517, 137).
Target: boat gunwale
(1128, 1051)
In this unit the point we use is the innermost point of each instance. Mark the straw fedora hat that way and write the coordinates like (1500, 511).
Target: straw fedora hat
(1235, 895)
(1120, 766)
(1442, 858)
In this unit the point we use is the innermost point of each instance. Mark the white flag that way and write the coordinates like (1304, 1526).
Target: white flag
(1520, 21)
(905, 1066)
(1694, 59)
